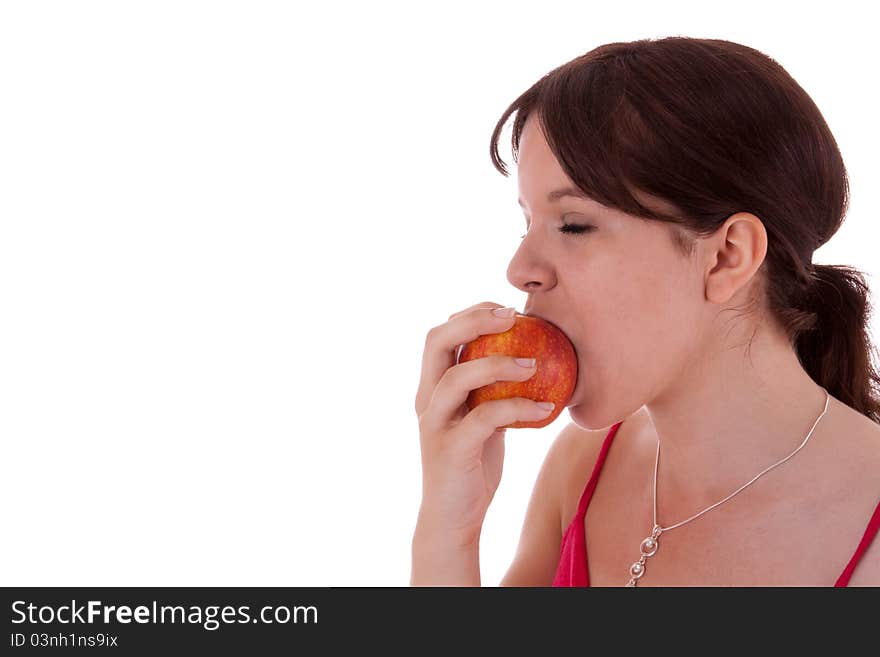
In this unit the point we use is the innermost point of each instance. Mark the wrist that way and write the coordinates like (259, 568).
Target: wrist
(440, 540)
(438, 562)
(429, 531)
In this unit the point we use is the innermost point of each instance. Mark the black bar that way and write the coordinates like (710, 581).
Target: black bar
(342, 621)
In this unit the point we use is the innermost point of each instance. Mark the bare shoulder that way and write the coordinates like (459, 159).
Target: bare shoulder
(537, 554)
(855, 439)
(861, 472)
(579, 450)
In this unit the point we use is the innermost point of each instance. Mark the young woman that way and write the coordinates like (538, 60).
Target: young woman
(725, 420)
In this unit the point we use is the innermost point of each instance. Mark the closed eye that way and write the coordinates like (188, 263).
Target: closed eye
(577, 229)
(574, 229)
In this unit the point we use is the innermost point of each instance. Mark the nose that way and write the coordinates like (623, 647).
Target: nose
(529, 270)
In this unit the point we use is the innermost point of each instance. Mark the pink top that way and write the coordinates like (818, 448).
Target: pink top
(573, 571)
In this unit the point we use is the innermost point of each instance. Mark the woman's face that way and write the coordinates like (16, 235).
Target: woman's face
(632, 305)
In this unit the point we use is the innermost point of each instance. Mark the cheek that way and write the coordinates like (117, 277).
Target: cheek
(658, 311)
(636, 322)
(636, 326)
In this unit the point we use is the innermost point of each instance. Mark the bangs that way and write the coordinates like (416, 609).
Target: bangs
(600, 139)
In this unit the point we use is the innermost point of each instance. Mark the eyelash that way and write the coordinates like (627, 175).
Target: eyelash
(574, 229)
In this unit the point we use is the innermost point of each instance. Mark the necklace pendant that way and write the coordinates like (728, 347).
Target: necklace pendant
(648, 548)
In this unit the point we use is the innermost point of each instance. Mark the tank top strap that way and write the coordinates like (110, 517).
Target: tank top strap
(594, 478)
(870, 532)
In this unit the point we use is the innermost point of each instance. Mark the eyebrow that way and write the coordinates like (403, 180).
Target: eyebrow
(557, 194)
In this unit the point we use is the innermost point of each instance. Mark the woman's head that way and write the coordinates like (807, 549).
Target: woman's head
(710, 178)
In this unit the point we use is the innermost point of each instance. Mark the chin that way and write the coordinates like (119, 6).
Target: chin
(589, 416)
(578, 413)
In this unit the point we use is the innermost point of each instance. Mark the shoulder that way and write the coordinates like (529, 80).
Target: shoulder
(577, 451)
(862, 482)
(867, 571)
(537, 553)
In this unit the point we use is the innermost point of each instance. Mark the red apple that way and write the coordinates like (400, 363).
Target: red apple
(556, 366)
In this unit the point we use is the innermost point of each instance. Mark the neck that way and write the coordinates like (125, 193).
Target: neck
(728, 420)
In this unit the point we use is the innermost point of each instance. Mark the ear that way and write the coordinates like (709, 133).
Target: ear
(733, 255)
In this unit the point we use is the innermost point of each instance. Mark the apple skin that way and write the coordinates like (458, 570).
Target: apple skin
(555, 373)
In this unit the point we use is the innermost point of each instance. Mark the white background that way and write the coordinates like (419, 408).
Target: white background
(225, 229)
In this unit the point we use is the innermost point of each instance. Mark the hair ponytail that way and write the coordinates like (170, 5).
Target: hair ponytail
(831, 337)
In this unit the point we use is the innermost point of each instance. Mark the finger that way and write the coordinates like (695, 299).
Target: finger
(443, 340)
(478, 425)
(483, 304)
(455, 384)
(423, 396)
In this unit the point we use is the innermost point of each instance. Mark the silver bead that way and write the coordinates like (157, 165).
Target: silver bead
(649, 546)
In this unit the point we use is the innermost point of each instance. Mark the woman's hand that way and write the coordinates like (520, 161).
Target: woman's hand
(463, 452)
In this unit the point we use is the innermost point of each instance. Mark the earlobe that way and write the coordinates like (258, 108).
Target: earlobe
(740, 248)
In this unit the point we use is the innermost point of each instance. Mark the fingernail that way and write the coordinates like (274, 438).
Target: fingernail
(547, 406)
(525, 362)
(504, 312)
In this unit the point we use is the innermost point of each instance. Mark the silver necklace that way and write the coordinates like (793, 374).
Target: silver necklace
(649, 546)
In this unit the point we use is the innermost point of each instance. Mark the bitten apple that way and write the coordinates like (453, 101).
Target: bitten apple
(555, 373)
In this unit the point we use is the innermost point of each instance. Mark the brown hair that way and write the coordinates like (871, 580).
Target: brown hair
(711, 128)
